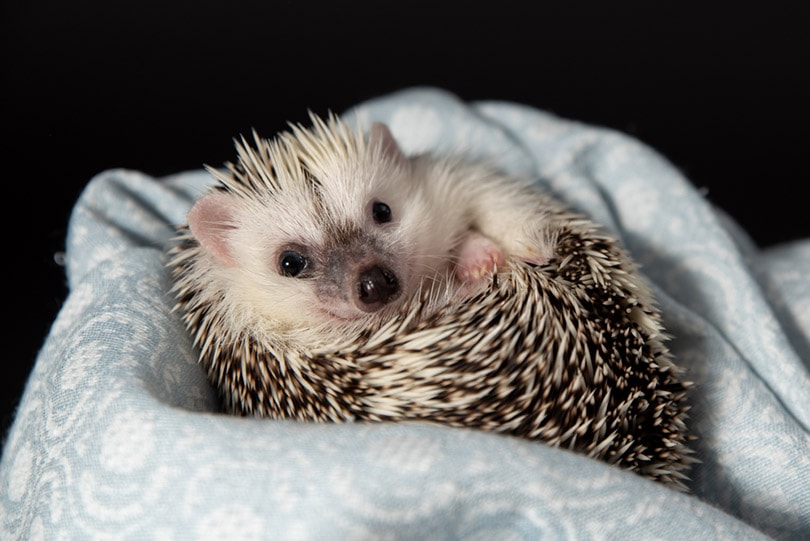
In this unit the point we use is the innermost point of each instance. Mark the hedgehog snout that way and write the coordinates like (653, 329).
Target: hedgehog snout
(357, 277)
(376, 286)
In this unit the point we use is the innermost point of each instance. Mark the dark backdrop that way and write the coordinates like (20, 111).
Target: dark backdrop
(164, 87)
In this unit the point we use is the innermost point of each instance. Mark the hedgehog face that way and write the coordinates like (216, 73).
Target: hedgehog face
(347, 268)
(299, 265)
(344, 231)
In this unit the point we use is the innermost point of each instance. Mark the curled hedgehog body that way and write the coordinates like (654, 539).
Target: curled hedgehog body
(328, 277)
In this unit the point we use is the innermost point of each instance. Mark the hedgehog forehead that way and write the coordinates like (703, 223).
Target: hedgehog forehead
(346, 190)
(306, 203)
(302, 214)
(314, 183)
(336, 161)
(290, 216)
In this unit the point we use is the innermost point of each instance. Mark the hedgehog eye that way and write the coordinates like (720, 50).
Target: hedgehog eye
(381, 212)
(291, 263)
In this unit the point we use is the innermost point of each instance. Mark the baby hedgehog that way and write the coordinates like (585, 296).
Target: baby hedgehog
(330, 277)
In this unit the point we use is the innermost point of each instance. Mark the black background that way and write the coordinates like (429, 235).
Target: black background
(163, 87)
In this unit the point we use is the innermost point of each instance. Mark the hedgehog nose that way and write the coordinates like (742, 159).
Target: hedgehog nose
(376, 287)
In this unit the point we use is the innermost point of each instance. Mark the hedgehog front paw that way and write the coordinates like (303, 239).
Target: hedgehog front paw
(478, 257)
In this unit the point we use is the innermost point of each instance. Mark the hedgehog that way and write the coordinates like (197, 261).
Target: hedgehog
(327, 276)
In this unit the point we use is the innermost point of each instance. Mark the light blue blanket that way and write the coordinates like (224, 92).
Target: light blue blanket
(116, 435)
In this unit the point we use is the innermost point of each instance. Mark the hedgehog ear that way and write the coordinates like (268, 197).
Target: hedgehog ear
(384, 142)
(211, 219)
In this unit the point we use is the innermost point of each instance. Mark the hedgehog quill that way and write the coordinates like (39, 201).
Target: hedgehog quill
(329, 277)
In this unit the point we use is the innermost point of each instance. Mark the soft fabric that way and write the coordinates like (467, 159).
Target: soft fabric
(118, 433)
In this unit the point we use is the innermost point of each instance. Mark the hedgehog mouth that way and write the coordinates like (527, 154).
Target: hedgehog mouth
(366, 303)
(351, 314)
